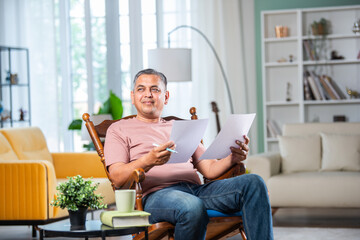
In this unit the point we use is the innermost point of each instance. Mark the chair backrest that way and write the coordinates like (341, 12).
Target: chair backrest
(99, 131)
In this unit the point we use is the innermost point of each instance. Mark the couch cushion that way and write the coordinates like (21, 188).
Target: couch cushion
(315, 189)
(302, 153)
(6, 152)
(305, 129)
(28, 143)
(340, 152)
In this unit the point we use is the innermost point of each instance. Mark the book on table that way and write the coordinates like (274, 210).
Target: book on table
(125, 219)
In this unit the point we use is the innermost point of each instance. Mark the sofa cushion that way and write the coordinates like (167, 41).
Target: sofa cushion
(302, 153)
(315, 189)
(6, 152)
(301, 129)
(340, 152)
(28, 143)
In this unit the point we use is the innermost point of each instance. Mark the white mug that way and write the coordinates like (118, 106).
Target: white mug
(125, 200)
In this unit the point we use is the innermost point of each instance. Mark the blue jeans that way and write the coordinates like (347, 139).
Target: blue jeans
(185, 204)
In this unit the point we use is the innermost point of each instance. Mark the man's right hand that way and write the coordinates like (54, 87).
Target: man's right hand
(120, 172)
(159, 155)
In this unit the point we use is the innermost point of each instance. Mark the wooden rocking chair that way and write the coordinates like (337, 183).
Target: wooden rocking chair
(220, 226)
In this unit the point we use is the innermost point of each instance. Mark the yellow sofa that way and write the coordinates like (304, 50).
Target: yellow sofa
(29, 174)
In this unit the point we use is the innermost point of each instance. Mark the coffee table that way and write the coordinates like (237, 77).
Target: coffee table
(93, 228)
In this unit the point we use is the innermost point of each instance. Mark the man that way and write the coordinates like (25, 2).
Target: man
(173, 192)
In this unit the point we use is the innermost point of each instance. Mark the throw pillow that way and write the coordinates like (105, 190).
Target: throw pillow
(340, 152)
(300, 153)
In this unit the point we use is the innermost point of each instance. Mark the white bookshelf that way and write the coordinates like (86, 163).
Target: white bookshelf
(277, 75)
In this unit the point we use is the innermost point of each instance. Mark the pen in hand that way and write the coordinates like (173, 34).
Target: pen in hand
(168, 149)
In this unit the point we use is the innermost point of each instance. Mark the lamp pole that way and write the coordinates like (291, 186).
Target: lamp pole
(216, 56)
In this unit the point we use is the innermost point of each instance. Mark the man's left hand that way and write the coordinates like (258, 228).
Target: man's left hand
(240, 153)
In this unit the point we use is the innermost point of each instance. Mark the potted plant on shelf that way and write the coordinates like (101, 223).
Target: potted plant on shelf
(77, 195)
(320, 27)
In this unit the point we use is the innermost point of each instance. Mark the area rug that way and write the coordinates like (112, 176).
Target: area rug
(280, 233)
(291, 233)
(300, 233)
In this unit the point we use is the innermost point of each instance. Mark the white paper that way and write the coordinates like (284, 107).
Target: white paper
(187, 135)
(234, 129)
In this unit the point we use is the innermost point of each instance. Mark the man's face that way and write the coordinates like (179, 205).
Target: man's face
(149, 96)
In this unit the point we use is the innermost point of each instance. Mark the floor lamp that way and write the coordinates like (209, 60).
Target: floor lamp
(175, 63)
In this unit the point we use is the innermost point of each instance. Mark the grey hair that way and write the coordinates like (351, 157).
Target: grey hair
(151, 71)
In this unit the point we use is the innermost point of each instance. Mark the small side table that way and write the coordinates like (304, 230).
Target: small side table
(93, 228)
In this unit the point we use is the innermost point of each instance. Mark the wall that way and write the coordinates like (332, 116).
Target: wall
(248, 45)
(261, 5)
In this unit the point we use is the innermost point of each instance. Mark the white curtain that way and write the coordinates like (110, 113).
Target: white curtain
(30, 24)
(222, 22)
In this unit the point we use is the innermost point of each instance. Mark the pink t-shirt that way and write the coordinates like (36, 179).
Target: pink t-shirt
(129, 139)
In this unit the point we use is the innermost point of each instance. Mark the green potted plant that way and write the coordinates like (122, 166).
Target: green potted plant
(77, 195)
(113, 105)
(320, 27)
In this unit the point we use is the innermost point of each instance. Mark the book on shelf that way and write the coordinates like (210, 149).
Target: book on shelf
(318, 85)
(321, 87)
(273, 128)
(336, 87)
(313, 50)
(313, 86)
(308, 95)
(310, 50)
(128, 219)
(327, 96)
(328, 88)
(307, 50)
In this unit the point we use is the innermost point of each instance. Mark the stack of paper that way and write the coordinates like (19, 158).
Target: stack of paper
(187, 135)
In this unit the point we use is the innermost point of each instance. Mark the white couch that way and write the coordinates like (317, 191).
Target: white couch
(318, 165)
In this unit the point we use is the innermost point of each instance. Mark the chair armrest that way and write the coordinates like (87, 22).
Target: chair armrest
(86, 164)
(134, 181)
(236, 170)
(136, 177)
(264, 164)
(27, 187)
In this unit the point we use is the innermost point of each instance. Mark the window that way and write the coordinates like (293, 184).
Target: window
(84, 63)
(125, 55)
(149, 29)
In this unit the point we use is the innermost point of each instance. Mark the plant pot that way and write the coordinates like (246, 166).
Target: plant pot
(319, 29)
(315, 30)
(78, 218)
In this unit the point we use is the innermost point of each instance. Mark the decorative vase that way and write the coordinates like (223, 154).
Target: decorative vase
(78, 218)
